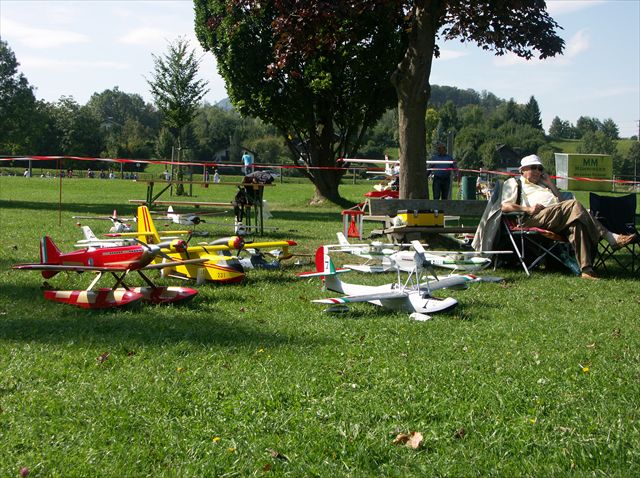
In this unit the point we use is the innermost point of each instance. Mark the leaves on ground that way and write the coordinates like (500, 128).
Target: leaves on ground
(412, 440)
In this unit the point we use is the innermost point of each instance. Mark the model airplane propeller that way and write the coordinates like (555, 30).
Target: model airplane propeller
(117, 261)
(412, 295)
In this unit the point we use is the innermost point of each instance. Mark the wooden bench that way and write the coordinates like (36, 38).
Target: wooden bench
(385, 209)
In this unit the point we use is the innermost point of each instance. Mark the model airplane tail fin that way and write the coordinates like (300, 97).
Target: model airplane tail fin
(49, 254)
(146, 228)
(343, 241)
(88, 234)
(326, 269)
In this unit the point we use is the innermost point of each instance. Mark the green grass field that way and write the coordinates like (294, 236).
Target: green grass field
(535, 377)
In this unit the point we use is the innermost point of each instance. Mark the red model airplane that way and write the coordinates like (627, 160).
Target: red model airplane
(118, 261)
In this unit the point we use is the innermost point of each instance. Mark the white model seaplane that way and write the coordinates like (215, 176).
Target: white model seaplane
(382, 257)
(412, 295)
(120, 224)
(188, 219)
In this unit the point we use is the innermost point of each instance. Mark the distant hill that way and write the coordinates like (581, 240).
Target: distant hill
(225, 104)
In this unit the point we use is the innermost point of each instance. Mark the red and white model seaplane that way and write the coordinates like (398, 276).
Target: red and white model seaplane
(117, 261)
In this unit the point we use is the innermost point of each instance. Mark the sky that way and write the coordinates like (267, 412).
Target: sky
(77, 48)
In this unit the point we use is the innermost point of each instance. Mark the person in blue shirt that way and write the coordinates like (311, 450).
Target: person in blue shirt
(247, 161)
(442, 173)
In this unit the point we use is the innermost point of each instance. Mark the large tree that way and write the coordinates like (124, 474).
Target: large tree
(306, 27)
(323, 96)
(17, 104)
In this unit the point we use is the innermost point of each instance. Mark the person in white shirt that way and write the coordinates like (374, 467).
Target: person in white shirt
(537, 196)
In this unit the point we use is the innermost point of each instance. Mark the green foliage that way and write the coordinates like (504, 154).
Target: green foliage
(175, 88)
(531, 114)
(322, 104)
(17, 105)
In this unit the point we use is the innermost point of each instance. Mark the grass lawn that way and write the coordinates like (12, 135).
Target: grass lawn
(537, 376)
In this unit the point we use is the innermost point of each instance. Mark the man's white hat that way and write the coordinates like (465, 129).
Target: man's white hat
(531, 160)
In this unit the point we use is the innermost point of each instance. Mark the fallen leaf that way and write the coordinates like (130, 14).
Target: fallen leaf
(412, 440)
(102, 358)
(277, 454)
(266, 467)
(242, 309)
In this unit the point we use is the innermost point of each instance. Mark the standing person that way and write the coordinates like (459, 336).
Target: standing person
(247, 161)
(538, 197)
(216, 176)
(442, 173)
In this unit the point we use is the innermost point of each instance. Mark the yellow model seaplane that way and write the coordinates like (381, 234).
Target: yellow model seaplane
(222, 263)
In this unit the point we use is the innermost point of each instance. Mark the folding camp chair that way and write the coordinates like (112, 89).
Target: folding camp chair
(618, 215)
(534, 246)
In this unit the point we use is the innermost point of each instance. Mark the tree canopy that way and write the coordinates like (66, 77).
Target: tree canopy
(17, 103)
(175, 88)
(322, 98)
(302, 32)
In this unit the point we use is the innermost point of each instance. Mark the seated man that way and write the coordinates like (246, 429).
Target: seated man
(537, 196)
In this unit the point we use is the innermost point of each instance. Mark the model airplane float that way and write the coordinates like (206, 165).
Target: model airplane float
(383, 257)
(118, 261)
(219, 264)
(412, 295)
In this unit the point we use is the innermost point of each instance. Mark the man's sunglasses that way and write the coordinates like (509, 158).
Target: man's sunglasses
(538, 168)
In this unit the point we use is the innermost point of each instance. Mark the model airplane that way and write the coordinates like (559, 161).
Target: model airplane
(119, 239)
(383, 257)
(118, 261)
(188, 219)
(412, 295)
(119, 224)
(220, 265)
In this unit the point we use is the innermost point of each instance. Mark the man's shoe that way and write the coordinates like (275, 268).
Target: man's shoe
(589, 275)
(623, 240)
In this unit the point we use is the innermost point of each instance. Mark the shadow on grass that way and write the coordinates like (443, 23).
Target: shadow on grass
(98, 209)
(139, 324)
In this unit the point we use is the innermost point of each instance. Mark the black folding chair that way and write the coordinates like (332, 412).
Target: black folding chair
(618, 215)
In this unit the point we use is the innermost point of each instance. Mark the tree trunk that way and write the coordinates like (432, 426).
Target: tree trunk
(411, 80)
(319, 155)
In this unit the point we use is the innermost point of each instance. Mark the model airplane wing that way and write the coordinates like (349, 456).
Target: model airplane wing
(162, 265)
(61, 268)
(136, 234)
(376, 269)
(79, 268)
(364, 297)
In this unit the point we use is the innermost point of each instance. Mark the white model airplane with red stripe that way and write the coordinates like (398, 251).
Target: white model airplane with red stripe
(413, 295)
